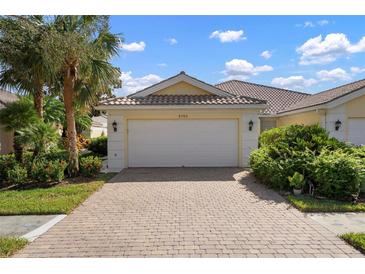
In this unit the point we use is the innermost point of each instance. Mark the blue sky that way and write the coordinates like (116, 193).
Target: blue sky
(306, 53)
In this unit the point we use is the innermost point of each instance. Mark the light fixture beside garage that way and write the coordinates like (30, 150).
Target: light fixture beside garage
(338, 124)
(250, 125)
(114, 124)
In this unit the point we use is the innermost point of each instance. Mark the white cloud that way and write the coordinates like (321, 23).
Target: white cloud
(242, 69)
(266, 54)
(131, 84)
(323, 22)
(135, 46)
(308, 24)
(356, 70)
(162, 65)
(296, 82)
(337, 74)
(172, 41)
(228, 36)
(322, 51)
(311, 24)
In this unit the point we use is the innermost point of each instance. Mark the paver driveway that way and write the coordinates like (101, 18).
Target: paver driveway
(188, 212)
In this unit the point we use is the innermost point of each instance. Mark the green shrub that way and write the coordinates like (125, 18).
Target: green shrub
(309, 151)
(17, 175)
(337, 174)
(7, 162)
(296, 181)
(44, 171)
(99, 145)
(90, 166)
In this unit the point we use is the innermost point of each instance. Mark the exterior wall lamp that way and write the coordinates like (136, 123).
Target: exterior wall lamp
(250, 125)
(338, 124)
(114, 124)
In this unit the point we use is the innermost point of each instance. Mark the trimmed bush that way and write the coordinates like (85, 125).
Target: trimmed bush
(44, 171)
(99, 145)
(7, 162)
(309, 151)
(337, 174)
(90, 166)
(17, 175)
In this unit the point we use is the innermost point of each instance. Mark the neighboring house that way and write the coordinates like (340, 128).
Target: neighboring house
(341, 110)
(6, 137)
(98, 126)
(183, 121)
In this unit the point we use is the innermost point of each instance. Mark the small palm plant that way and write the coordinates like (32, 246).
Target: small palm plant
(297, 182)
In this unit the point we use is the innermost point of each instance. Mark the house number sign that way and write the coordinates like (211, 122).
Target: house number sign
(183, 116)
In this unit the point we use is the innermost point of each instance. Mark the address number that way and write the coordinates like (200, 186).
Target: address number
(183, 116)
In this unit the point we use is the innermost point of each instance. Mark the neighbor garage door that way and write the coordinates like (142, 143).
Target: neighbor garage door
(176, 143)
(356, 131)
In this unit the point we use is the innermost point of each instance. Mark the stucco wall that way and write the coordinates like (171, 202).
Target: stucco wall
(182, 88)
(118, 141)
(305, 118)
(6, 141)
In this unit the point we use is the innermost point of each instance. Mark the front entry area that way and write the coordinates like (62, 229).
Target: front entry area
(183, 143)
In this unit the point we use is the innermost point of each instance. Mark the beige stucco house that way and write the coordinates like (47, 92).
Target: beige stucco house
(183, 121)
(6, 137)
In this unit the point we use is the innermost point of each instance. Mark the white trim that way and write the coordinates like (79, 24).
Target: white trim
(34, 234)
(182, 77)
(243, 106)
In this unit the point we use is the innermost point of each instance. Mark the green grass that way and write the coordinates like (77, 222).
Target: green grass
(357, 240)
(53, 200)
(10, 245)
(309, 204)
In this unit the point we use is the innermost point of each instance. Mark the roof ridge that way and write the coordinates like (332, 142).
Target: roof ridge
(262, 85)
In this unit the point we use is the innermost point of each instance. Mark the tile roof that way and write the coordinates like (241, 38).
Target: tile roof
(326, 96)
(7, 97)
(277, 99)
(181, 100)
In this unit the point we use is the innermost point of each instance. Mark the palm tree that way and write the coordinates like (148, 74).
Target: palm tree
(40, 137)
(15, 117)
(80, 48)
(22, 60)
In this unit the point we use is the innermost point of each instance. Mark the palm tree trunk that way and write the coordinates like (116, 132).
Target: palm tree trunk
(38, 100)
(68, 92)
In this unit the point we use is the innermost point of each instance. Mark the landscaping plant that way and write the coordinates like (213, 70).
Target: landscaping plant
(17, 175)
(99, 145)
(90, 166)
(296, 181)
(336, 169)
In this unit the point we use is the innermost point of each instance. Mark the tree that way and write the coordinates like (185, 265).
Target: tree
(40, 137)
(22, 60)
(80, 48)
(15, 117)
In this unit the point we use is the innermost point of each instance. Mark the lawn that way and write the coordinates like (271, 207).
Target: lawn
(309, 204)
(9, 245)
(357, 240)
(59, 199)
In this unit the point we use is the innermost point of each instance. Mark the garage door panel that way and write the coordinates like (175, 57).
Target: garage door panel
(158, 143)
(356, 131)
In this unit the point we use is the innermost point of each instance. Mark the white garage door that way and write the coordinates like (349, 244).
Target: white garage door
(176, 143)
(356, 131)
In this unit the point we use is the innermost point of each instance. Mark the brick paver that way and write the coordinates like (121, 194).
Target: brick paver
(187, 212)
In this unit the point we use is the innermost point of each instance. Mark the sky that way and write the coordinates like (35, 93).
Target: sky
(304, 53)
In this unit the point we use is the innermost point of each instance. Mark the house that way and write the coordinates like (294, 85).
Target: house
(98, 127)
(6, 137)
(183, 121)
(340, 110)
